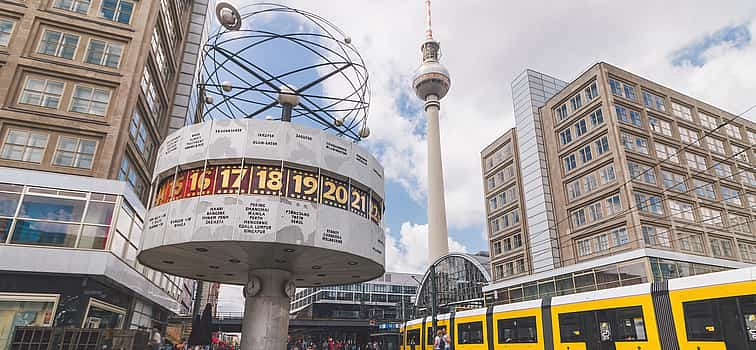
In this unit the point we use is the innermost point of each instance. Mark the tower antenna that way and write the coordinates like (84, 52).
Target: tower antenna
(428, 30)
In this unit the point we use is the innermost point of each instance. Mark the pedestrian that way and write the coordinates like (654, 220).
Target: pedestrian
(438, 341)
(156, 340)
(447, 340)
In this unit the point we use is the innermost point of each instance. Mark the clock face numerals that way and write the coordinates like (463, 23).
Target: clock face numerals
(252, 287)
(289, 288)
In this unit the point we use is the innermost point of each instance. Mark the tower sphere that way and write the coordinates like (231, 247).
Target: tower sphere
(432, 78)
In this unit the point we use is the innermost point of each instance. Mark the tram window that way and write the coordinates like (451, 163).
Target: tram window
(470, 333)
(630, 325)
(517, 330)
(570, 330)
(413, 337)
(702, 321)
(748, 305)
(431, 337)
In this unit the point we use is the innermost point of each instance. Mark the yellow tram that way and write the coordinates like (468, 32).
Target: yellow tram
(715, 311)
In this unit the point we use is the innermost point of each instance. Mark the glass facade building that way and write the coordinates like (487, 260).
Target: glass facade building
(459, 280)
(530, 91)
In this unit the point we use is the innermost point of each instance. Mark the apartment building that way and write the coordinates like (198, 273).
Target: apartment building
(507, 228)
(88, 89)
(645, 184)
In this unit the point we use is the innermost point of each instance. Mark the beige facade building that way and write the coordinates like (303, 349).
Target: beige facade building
(645, 183)
(507, 231)
(88, 89)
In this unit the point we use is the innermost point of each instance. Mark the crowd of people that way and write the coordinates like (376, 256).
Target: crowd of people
(332, 344)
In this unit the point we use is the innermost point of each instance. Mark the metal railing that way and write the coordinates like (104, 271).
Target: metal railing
(48, 338)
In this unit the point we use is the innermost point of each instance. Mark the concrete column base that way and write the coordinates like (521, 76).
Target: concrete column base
(266, 310)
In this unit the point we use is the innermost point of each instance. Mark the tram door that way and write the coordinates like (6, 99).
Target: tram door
(599, 334)
(602, 329)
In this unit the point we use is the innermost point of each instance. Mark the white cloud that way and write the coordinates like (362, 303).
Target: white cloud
(409, 253)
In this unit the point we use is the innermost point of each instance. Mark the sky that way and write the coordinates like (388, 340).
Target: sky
(704, 49)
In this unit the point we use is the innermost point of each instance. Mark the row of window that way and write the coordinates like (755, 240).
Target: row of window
(509, 268)
(65, 45)
(502, 176)
(585, 154)
(581, 127)
(657, 103)
(590, 182)
(507, 244)
(507, 220)
(499, 156)
(596, 211)
(650, 203)
(503, 198)
(47, 93)
(576, 102)
(602, 242)
(31, 146)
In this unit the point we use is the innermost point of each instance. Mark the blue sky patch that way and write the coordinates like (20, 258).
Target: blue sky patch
(694, 53)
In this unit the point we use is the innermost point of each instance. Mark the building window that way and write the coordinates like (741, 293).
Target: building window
(691, 242)
(666, 153)
(566, 136)
(576, 102)
(681, 210)
(103, 53)
(578, 217)
(747, 251)
(117, 10)
(25, 146)
(591, 92)
(689, 137)
(569, 163)
(128, 173)
(6, 30)
(648, 203)
(730, 195)
(656, 236)
(721, 247)
(613, 205)
(644, 173)
(752, 200)
(561, 112)
(143, 141)
(738, 223)
(573, 189)
(733, 131)
(723, 171)
(160, 57)
(653, 101)
(752, 137)
(607, 174)
(628, 116)
(715, 145)
(634, 143)
(58, 44)
(673, 181)
(79, 6)
(585, 154)
(584, 247)
(90, 100)
(150, 92)
(660, 126)
(749, 178)
(75, 152)
(497, 248)
(711, 216)
(602, 145)
(704, 189)
(683, 112)
(42, 92)
(739, 153)
(580, 128)
(596, 117)
(696, 161)
(708, 121)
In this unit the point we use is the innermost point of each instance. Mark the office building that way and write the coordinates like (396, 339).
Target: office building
(644, 183)
(376, 308)
(88, 90)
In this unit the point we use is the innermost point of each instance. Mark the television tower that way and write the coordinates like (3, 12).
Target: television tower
(431, 84)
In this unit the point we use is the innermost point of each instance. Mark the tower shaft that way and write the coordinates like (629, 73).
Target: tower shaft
(438, 244)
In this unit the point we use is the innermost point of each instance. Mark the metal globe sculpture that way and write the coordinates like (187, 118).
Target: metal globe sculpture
(265, 51)
(270, 189)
